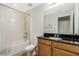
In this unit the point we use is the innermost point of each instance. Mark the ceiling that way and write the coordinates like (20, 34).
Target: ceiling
(50, 8)
(24, 7)
(59, 8)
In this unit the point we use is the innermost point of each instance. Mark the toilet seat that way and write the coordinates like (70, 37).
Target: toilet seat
(30, 47)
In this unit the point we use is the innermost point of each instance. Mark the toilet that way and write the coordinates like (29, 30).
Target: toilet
(30, 49)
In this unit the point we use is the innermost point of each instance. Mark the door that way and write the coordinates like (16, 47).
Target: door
(44, 50)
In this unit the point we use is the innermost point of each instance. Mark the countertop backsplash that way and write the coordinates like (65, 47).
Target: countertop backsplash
(67, 37)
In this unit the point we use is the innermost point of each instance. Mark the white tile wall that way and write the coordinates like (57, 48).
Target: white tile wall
(11, 28)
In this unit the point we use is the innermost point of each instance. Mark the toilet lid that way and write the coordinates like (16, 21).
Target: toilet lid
(30, 47)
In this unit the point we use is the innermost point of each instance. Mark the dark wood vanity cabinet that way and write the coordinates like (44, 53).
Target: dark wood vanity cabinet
(56, 48)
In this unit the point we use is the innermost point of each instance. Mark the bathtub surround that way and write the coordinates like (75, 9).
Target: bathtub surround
(11, 30)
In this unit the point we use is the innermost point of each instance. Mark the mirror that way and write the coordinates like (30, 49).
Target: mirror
(59, 19)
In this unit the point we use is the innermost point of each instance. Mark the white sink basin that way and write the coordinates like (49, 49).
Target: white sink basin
(54, 38)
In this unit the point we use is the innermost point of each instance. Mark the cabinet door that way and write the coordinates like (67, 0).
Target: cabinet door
(59, 52)
(44, 50)
(68, 47)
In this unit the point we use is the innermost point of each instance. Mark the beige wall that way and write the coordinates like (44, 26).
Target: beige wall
(37, 23)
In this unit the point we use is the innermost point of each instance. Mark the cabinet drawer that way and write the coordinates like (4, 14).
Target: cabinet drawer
(68, 47)
(59, 52)
(44, 41)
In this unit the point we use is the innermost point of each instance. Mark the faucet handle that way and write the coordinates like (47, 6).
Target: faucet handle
(55, 35)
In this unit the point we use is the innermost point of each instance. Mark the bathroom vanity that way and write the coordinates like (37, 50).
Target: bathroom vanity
(61, 32)
(53, 47)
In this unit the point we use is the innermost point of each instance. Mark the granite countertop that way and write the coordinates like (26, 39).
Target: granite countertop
(64, 41)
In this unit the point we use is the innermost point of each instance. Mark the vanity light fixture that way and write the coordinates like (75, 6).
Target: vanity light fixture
(51, 5)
